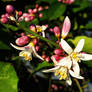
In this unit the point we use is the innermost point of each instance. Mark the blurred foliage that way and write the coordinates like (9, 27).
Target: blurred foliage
(8, 78)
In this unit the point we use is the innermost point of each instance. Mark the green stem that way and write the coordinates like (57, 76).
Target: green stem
(78, 84)
(49, 84)
(40, 37)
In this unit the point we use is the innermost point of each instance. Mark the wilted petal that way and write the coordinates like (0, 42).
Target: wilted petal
(66, 47)
(52, 69)
(79, 46)
(86, 57)
(35, 54)
(16, 47)
(66, 27)
(65, 62)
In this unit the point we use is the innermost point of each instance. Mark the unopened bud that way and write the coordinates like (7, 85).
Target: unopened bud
(9, 9)
(21, 41)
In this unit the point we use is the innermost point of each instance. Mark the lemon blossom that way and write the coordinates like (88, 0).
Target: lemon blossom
(69, 64)
(41, 29)
(66, 27)
(27, 51)
(74, 56)
(64, 69)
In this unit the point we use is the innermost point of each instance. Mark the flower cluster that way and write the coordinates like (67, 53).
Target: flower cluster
(66, 1)
(12, 15)
(66, 60)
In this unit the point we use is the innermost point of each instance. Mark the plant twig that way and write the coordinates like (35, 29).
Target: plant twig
(78, 84)
(49, 85)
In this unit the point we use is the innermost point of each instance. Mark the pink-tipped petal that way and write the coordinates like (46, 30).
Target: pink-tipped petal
(66, 27)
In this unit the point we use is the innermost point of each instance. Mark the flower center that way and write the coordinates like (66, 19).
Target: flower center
(76, 56)
(25, 55)
(62, 72)
(39, 29)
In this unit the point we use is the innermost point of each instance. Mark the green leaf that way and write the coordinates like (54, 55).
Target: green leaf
(47, 1)
(43, 65)
(89, 25)
(27, 24)
(8, 78)
(55, 11)
(81, 6)
(4, 46)
(13, 28)
(88, 63)
(88, 43)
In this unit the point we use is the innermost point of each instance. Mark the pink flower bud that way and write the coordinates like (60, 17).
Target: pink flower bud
(30, 11)
(40, 8)
(36, 6)
(46, 7)
(68, 1)
(22, 34)
(28, 18)
(51, 30)
(7, 15)
(4, 20)
(33, 28)
(43, 56)
(66, 27)
(25, 15)
(40, 15)
(59, 51)
(35, 41)
(19, 13)
(54, 87)
(59, 0)
(2, 16)
(21, 41)
(37, 48)
(47, 59)
(57, 58)
(56, 31)
(35, 10)
(9, 9)
(32, 18)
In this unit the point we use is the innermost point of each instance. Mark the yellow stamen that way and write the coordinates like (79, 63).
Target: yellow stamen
(76, 56)
(26, 56)
(62, 72)
(31, 44)
(39, 29)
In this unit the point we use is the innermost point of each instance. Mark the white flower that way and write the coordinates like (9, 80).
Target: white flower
(41, 29)
(64, 69)
(76, 55)
(69, 64)
(27, 51)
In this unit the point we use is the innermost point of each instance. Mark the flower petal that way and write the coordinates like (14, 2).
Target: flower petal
(79, 46)
(16, 47)
(52, 69)
(26, 54)
(86, 57)
(74, 75)
(66, 27)
(35, 54)
(65, 62)
(69, 81)
(76, 68)
(66, 47)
